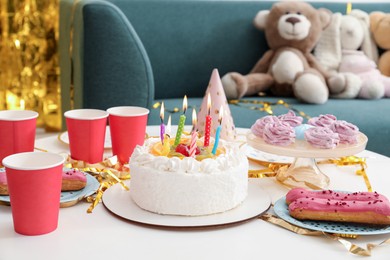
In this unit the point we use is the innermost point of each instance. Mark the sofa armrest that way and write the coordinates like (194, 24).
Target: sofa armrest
(103, 62)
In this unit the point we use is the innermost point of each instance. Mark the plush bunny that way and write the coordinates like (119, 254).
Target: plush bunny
(352, 50)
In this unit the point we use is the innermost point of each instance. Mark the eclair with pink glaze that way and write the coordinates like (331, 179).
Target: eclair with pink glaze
(73, 180)
(3, 183)
(375, 212)
(298, 193)
(328, 205)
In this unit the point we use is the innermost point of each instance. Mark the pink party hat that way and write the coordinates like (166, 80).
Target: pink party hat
(218, 99)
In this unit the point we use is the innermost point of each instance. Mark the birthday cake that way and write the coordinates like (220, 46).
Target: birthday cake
(170, 182)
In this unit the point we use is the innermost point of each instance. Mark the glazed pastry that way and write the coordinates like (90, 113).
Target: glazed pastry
(3, 183)
(375, 211)
(347, 132)
(322, 137)
(291, 119)
(279, 133)
(258, 127)
(322, 120)
(73, 180)
(298, 193)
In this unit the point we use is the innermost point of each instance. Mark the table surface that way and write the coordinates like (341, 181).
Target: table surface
(102, 235)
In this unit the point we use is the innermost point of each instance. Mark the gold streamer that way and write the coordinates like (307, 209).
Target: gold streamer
(353, 160)
(351, 247)
(272, 168)
(265, 106)
(108, 173)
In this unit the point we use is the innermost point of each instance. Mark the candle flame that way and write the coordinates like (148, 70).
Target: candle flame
(162, 109)
(208, 103)
(349, 8)
(185, 104)
(194, 118)
(220, 115)
(168, 128)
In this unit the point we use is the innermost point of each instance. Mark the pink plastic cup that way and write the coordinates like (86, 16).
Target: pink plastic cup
(86, 131)
(34, 185)
(128, 128)
(17, 131)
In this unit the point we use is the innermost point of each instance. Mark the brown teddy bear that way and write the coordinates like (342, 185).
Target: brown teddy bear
(380, 29)
(292, 30)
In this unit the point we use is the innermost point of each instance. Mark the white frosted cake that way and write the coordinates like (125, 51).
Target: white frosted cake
(188, 186)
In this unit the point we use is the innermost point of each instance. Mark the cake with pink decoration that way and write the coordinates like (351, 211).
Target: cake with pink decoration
(170, 182)
(322, 132)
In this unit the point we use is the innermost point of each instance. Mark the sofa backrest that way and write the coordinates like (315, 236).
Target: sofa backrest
(175, 45)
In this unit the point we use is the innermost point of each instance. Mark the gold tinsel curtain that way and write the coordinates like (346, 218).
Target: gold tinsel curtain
(29, 71)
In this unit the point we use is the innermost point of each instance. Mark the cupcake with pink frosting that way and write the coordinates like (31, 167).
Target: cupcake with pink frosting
(322, 120)
(258, 127)
(279, 133)
(322, 137)
(291, 118)
(347, 132)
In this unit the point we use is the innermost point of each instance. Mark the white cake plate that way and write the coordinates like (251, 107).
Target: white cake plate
(119, 202)
(304, 172)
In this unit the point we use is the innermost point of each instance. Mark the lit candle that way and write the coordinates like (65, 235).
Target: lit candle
(181, 122)
(162, 126)
(208, 123)
(168, 128)
(218, 133)
(194, 134)
(349, 8)
(166, 148)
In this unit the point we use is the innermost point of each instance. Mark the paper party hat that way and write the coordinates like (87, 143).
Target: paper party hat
(218, 100)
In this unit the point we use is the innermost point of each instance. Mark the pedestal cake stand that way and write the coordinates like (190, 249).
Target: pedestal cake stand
(304, 172)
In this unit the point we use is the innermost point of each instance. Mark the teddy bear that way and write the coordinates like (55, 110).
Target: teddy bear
(346, 46)
(380, 29)
(288, 68)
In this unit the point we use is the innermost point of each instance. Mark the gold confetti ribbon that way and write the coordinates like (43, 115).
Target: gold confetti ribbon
(351, 247)
(352, 160)
(108, 172)
(265, 106)
(272, 168)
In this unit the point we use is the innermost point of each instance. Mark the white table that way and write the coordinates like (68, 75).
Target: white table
(102, 235)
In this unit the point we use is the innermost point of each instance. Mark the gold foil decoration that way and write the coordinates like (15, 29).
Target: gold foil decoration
(353, 160)
(170, 111)
(265, 106)
(351, 247)
(108, 172)
(29, 70)
(272, 168)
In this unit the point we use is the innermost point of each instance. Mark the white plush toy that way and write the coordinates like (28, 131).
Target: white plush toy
(347, 47)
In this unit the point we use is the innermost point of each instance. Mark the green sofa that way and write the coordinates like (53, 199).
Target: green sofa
(139, 52)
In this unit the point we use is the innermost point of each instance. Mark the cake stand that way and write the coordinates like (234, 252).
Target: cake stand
(304, 172)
